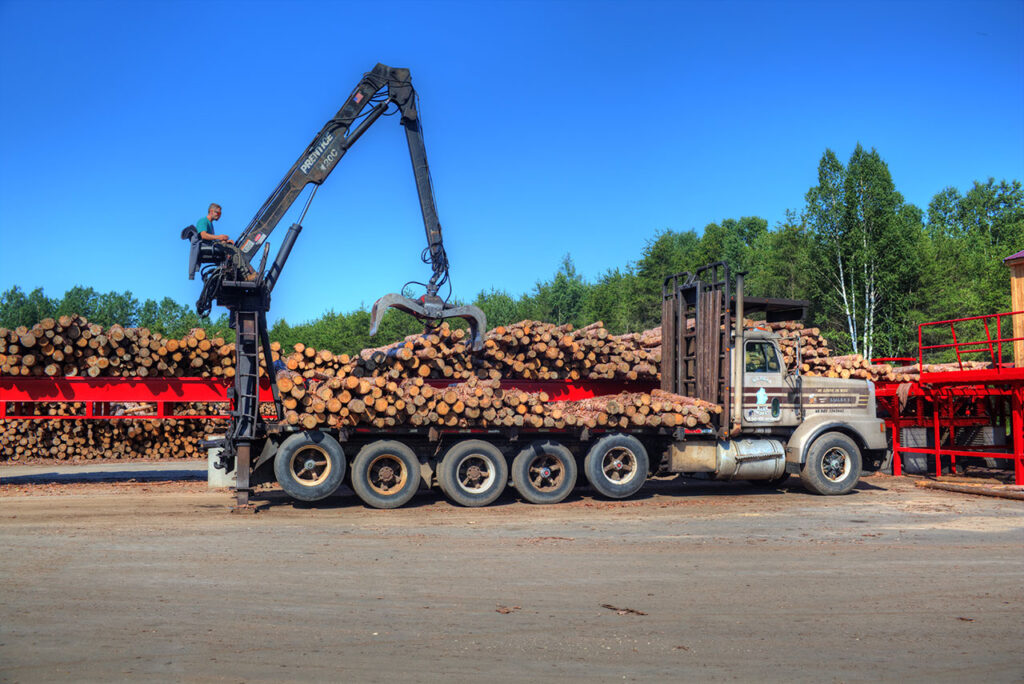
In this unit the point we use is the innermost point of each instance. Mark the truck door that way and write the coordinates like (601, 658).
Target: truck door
(767, 397)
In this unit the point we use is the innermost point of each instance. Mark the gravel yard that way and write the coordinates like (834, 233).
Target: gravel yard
(156, 581)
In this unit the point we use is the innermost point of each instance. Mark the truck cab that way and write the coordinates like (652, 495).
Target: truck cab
(775, 421)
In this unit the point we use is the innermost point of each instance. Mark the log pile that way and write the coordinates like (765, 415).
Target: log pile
(70, 346)
(528, 350)
(382, 387)
(474, 403)
(149, 438)
(634, 410)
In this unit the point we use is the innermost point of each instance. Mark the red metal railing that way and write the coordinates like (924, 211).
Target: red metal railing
(992, 345)
(944, 402)
(99, 395)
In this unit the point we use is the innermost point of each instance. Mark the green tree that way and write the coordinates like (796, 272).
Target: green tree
(119, 308)
(17, 308)
(613, 299)
(562, 298)
(732, 241)
(666, 254)
(783, 261)
(78, 300)
(867, 242)
(499, 307)
(968, 235)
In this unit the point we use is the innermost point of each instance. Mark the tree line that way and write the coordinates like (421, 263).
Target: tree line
(873, 265)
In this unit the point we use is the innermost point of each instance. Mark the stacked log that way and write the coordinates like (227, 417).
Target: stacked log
(70, 346)
(528, 350)
(149, 438)
(383, 387)
(636, 410)
(474, 403)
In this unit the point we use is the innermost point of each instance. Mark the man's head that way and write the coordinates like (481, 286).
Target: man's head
(213, 213)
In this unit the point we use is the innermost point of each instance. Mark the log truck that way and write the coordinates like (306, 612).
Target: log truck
(774, 422)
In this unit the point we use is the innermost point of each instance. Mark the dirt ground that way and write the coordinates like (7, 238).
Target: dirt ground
(692, 581)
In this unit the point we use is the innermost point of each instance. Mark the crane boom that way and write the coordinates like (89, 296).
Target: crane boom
(367, 102)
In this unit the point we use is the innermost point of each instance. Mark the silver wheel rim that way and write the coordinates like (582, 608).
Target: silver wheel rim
(474, 474)
(619, 465)
(836, 464)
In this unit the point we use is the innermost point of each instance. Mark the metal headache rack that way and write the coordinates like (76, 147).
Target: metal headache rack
(702, 317)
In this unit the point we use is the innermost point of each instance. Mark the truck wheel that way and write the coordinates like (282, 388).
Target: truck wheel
(473, 473)
(385, 474)
(544, 472)
(309, 466)
(616, 466)
(833, 465)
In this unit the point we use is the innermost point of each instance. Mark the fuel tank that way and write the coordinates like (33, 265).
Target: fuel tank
(736, 459)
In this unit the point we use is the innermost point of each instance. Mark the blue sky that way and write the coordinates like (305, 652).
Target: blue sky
(551, 128)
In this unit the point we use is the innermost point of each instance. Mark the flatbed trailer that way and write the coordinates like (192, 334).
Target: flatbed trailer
(99, 399)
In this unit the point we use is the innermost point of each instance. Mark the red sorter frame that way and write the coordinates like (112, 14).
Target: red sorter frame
(962, 398)
(99, 394)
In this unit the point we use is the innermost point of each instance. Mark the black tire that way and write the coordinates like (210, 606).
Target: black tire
(385, 474)
(833, 465)
(473, 473)
(544, 472)
(617, 466)
(309, 466)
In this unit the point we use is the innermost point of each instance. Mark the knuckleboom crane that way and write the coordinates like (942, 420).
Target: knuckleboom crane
(230, 279)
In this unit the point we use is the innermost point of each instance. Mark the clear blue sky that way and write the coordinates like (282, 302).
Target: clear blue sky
(551, 128)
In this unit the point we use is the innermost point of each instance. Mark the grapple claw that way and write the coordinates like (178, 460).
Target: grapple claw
(431, 308)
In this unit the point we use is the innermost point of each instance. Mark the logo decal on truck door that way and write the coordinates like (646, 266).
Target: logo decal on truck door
(763, 411)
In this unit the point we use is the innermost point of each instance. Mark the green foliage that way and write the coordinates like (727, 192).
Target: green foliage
(614, 299)
(784, 261)
(562, 299)
(666, 254)
(17, 308)
(872, 265)
(970, 236)
(868, 253)
(500, 307)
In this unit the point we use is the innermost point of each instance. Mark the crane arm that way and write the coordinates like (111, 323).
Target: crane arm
(367, 102)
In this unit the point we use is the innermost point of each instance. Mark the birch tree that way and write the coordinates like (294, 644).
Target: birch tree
(867, 262)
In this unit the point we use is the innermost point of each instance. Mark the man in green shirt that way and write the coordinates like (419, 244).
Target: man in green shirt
(205, 228)
(205, 225)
